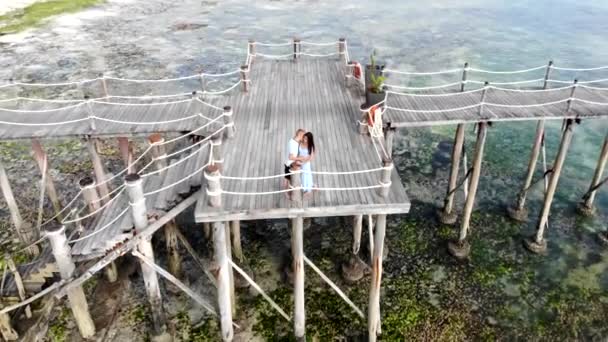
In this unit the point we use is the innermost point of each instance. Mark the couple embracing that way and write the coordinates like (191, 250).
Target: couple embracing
(300, 152)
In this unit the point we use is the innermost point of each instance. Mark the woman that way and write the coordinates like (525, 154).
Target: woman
(307, 152)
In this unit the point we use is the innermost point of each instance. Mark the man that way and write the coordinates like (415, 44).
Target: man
(292, 155)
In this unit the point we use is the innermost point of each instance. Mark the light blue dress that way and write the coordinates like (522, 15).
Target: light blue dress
(306, 174)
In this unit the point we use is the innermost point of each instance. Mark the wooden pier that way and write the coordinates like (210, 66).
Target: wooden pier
(223, 150)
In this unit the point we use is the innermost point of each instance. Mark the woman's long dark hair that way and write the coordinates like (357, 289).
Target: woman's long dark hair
(311, 142)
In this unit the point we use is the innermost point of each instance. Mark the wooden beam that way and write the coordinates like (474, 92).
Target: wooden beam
(19, 283)
(297, 252)
(373, 313)
(223, 280)
(43, 164)
(76, 298)
(357, 228)
(140, 220)
(6, 329)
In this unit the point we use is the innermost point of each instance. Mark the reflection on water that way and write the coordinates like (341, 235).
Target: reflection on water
(154, 38)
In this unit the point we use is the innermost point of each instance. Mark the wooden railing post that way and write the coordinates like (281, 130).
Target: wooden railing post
(464, 76)
(216, 151)
(126, 153)
(139, 212)
(297, 253)
(385, 180)
(389, 138)
(342, 49)
(538, 244)
(214, 187)
(98, 169)
(158, 150)
(76, 297)
(245, 77)
(296, 185)
(373, 309)
(460, 249)
(43, 164)
(296, 48)
(585, 207)
(251, 51)
(229, 122)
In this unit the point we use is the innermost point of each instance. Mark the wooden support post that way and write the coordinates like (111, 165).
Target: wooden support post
(357, 228)
(519, 211)
(89, 192)
(235, 228)
(231, 271)
(159, 153)
(23, 229)
(296, 184)
(126, 153)
(245, 77)
(43, 164)
(175, 260)
(297, 253)
(448, 215)
(460, 249)
(251, 51)
(6, 329)
(216, 151)
(100, 172)
(229, 122)
(214, 187)
(385, 180)
(76, 298)
(373, 314)
(538, 244)
(585, 207)
(140, 221)
(207, 230)
(342, 49)
(223, 280)
(296, 48)
(389, 138)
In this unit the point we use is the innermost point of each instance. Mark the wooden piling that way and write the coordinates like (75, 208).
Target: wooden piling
(461, 248)
(207, 230)
(585, 207)
(357, 228)
(230, 270)
(538, 244)
(139, 212)
(43, 164)
(223, 280)
(237, 250)
(126, 153)
(448, 215)
(158, 150)
(229, 122)
(99, 170)
(519, 211)
(175, 259)
(76, 298)
(23, 229)
(297, 253)
(373, 310)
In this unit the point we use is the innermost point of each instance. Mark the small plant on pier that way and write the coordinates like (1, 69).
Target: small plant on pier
(376, 81)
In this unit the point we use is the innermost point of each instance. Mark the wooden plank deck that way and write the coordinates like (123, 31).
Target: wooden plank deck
(287, 95)
(501, 105)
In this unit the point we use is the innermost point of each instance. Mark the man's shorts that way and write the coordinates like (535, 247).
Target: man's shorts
(287, 171)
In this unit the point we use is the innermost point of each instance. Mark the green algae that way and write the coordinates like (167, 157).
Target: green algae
(35, 14)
